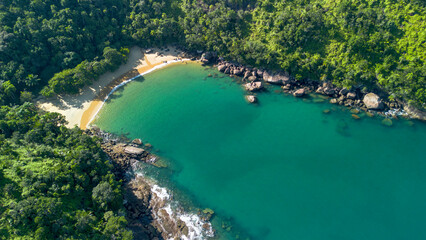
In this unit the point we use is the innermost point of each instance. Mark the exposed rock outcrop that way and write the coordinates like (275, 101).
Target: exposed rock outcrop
(299, 92)
(137, 141)
(253, 86)
(134, 151)
(373, 101)
(221, 68)
(251, 98)
(415, 113)
(278, 78)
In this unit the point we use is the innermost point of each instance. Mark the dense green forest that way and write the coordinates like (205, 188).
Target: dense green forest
(56, 183)
(367, 43)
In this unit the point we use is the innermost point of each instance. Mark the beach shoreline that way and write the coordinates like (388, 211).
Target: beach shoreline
(79, 110)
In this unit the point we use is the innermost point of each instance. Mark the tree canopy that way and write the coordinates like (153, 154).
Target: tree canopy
(56, 183)
(349, 42)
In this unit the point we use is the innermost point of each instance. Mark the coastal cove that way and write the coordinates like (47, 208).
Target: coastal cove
(284, 168)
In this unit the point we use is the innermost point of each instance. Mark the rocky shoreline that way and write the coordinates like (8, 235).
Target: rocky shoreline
(150, 210)
(372, 102)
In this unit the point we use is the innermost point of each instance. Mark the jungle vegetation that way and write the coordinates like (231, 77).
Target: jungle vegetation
(56, 183)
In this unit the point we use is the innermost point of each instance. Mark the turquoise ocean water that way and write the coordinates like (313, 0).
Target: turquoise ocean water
(280, 169)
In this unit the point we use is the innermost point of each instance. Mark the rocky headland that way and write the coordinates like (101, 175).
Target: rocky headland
(151, 211)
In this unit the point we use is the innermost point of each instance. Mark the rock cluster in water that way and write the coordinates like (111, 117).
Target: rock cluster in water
(355, 97)
(352, 98)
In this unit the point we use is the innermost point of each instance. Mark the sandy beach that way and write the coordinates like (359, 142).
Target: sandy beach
(80, 109)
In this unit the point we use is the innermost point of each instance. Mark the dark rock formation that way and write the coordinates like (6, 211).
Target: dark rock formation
(208, 57)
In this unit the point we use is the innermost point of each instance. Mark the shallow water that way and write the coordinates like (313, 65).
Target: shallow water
(281, 169)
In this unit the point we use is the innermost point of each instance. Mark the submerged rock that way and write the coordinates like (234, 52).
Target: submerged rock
(356, 117)
(354, 111)
(372, 101)
(137, 141)
(326, 111)
(318, 100)
(387, 122)
(409, 123)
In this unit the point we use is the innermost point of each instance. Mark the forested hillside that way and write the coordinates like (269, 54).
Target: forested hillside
(349, 42)
(55, 182)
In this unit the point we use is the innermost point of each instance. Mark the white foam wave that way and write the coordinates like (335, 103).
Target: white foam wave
(131, 79)
(160, 192)
(395, 112)
(197, 228)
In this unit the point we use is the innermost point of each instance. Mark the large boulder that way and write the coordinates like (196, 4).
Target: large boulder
(134, 151)
(372, 101)
(237, 72)
(221, 68)
(299, 92)
(279, 78)
(253, 86)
